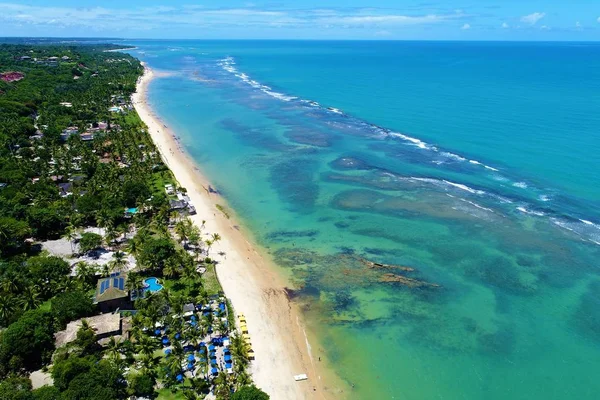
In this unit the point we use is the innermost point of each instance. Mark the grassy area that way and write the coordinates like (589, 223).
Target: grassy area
(160, 179)
(167, 394)
(211, 283)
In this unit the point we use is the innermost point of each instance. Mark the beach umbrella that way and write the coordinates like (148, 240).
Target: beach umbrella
(165, 341)
(191, 357)
(214, 371)
(157, 332)
(211, 347)
(168, 351)
(202, 359)
(193, 323)
(227, 358)
(228, 365)
(202, 344)
(179, 378)
(177, 336)
(190, 366)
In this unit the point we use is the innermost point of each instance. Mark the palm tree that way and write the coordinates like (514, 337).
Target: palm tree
(209, 243)
(30, 298)
(9, 284)
(242, 378)
(85, 274)
(172, 267)
(71, 235)
(101, 220)
(222, 386)
(7, 308)
(113, 349)
(134, 282)
(119, 261)
(182, 229)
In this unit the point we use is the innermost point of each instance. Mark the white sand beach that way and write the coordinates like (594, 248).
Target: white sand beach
(255, 289)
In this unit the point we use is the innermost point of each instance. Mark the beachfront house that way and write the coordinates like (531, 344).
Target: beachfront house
(111, 293)
(105, 326)
(68, 132)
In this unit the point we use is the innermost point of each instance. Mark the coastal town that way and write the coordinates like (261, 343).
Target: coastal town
(108, 288)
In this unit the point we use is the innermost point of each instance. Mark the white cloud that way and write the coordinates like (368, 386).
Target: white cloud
(532, 19)
(101, 19)
(505, 25)
(466, 27)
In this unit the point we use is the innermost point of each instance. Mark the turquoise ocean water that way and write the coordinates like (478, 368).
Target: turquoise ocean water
(476, 165)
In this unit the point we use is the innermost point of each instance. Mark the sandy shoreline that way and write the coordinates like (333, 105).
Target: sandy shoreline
(256, 290)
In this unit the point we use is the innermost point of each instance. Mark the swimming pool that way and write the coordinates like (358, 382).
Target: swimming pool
(152, 285)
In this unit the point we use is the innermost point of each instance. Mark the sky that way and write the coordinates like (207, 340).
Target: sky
(576, 20)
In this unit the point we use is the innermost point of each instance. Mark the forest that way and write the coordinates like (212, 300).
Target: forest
(78, 170)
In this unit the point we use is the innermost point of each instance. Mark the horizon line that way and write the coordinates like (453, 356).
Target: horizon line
(302, 39)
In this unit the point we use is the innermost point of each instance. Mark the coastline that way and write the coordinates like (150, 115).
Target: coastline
(279, 340)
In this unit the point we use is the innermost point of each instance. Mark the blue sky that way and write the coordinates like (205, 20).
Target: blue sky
(305, 19)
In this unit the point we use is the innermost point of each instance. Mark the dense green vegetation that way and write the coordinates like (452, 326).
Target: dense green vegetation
(71, 171)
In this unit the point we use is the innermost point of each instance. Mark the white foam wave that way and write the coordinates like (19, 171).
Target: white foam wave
(452, 156)
(585, 221)
(544, 198)
(530, 212)
(419, 143)
(464, 187)
(521, 185)
(477, 205)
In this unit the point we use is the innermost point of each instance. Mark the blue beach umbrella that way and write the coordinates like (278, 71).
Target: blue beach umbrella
(202, 351)
(157, 332)
(191, 357)
(190, 366)
(227, 358)
(227, 366)
(179, 378)
(214, 371)
(177, 336)
(168, 351)
(165, 341)
(211, 347)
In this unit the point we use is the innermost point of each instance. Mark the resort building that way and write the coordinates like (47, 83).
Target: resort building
(111, 293)
(105, 326)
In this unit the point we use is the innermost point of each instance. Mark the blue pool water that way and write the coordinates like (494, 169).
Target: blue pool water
(472, 165)
(152, 285)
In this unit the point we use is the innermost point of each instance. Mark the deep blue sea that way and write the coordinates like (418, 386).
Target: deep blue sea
(471, 169)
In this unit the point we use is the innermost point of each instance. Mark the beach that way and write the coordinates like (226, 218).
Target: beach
(249, 281)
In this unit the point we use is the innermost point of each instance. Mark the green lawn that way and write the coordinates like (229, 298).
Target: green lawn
(211, 284)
